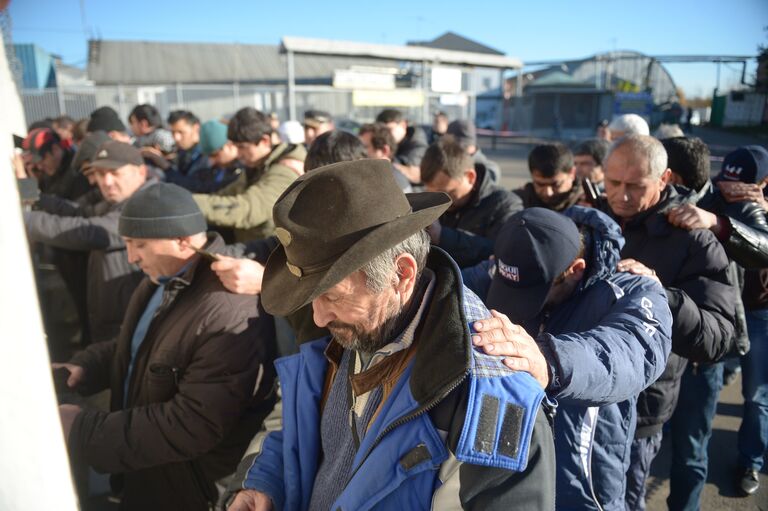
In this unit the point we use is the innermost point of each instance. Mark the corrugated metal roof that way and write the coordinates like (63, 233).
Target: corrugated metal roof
(301, 45)
(557, 78)
(149, 62)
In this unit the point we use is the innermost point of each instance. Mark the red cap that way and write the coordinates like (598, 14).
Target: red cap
(39, 142)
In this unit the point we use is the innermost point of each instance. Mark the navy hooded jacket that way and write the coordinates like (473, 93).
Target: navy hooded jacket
(605, 344)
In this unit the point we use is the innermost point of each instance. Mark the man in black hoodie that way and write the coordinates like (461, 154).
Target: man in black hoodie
(693, 268)
(468, 229)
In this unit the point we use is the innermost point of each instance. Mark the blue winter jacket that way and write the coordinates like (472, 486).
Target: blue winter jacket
(501, 461)
(607, 342)
(193, 172)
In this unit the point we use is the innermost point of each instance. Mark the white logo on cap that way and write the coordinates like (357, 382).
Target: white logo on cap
(102, 154)
(732, 172)
(509, 272)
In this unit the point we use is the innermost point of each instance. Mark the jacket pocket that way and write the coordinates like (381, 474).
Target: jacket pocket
(162, 382)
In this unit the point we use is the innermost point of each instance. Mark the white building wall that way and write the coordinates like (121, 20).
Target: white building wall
(744, 109)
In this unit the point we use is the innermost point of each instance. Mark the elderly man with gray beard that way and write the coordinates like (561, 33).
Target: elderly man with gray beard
(395, 409)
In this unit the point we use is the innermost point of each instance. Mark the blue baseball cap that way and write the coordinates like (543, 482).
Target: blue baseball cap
(748, 164)
(532, 249)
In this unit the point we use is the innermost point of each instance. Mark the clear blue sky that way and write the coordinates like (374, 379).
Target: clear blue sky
(530, 30)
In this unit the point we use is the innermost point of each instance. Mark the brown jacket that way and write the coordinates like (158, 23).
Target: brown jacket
(200, 388)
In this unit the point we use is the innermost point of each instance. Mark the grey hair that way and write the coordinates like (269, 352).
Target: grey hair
(630, 124)
(381, 271)
(646, 147)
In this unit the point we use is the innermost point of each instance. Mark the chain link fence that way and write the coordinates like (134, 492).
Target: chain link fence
(216, 101)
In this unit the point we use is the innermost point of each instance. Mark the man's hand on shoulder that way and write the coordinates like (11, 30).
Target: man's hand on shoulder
(691, 217)
(156, 157)
(240, 276)
(250, 500)
(637, 268)
(497, 335)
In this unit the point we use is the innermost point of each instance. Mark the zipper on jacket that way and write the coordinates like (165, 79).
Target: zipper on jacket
(406, 418)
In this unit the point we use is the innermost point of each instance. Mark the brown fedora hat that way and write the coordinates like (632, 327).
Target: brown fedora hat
(332, 221)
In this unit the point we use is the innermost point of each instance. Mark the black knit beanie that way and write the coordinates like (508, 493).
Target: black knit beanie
(161, 211)
(105, 119)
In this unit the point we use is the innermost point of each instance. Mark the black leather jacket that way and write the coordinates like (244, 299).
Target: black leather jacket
(745, 239)
(747, 229)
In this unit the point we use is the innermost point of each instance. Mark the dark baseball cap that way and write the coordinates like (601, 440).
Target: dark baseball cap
(114, 154)
(532, 249)
(314, 118)
(748, 164)
(463, 131)
(88, 148)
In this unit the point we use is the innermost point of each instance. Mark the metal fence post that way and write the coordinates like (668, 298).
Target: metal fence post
(472, 105)
(291, 87)
(121, 100)
(425, 88)
(60, 99)
(518, 124)
(500, 116)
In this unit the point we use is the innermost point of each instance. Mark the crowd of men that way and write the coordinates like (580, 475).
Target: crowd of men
(370, 320)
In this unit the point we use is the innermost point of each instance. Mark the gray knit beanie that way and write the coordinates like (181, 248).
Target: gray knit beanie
(161, 211)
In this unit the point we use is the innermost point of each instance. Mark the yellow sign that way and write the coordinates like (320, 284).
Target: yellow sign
(626, 86)
(398, 97)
